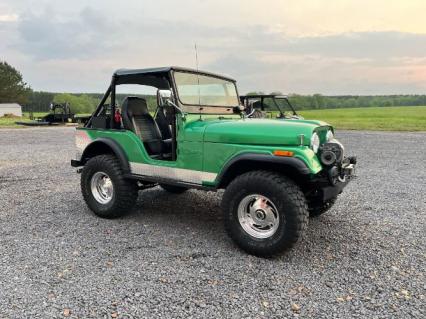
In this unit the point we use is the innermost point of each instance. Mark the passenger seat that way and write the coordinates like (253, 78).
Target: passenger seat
(137, 119)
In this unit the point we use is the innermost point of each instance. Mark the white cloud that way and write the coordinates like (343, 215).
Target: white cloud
(300, 46)
(8, 17)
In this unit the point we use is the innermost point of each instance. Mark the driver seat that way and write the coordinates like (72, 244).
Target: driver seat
(137, 119)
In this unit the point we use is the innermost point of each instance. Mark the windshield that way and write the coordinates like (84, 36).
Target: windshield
(197, 89)
(272, 103)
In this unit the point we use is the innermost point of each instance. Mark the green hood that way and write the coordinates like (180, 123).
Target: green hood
(257, 131)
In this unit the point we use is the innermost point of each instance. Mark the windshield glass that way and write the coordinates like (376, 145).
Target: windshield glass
(271, 104)
(197, 89)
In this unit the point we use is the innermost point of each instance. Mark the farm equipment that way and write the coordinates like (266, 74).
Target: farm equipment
(60, 113)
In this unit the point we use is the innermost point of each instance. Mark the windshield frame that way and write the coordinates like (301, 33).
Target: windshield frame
(275, 98)
(206, 108)
(285, 98)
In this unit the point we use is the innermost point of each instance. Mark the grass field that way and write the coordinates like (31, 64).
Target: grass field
(405, 118)
(9, 122)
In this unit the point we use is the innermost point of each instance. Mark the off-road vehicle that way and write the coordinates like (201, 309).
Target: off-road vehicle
(275, 173)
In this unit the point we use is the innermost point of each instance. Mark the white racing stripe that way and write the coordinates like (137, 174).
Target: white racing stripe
(180, 174)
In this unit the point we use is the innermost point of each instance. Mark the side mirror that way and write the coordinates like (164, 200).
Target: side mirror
(163, 96)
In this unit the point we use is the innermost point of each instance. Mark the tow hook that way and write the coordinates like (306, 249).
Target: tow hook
(349, 171)
(343, 172)
(79, 170)
(348, 168)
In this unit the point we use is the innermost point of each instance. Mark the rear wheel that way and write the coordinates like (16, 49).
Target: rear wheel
(265, 213)
(173, 189)
(107, 193)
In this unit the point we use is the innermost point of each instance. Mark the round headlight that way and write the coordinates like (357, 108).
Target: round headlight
(315, 142)
(329, 136)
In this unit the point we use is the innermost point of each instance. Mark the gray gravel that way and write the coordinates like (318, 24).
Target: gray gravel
(172, 258)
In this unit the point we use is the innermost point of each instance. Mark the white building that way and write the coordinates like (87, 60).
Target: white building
(10, 108)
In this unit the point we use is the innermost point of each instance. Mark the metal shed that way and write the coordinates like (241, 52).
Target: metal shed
(10, 108)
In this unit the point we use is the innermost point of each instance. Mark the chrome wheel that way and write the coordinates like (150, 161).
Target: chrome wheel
(258, 216)
(102, 187)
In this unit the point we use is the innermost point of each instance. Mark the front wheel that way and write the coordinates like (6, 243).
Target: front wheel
(265, 213)
(105, 190)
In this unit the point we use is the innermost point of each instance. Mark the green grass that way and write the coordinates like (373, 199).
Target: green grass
(35, 114)
(404, 118)
(9, 122)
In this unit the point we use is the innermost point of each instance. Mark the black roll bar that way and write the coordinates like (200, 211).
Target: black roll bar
(99, 107)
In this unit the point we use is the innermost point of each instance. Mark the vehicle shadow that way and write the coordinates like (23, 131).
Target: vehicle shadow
(195, 217)
(190, 204)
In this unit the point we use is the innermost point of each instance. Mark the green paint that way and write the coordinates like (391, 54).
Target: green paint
(207, 143)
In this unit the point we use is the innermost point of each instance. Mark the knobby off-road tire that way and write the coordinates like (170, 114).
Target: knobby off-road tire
(317, 209)
(276, 195)
(173, 189)
(107, 201)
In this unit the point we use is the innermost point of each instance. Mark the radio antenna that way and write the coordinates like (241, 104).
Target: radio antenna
(198, 76)
(196, 55)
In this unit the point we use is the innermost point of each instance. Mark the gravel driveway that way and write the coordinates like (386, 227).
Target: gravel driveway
(171, 257)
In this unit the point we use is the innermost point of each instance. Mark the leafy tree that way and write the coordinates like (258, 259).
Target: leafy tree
(38, 102)
(81, 104)
(13, 89)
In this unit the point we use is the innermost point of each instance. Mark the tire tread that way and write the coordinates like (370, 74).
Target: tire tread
(296, 222)
(126, 190)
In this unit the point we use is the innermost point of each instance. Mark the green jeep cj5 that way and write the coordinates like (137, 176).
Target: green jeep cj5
(275, 172)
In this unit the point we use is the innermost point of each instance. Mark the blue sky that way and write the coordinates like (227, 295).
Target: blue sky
(304, 46)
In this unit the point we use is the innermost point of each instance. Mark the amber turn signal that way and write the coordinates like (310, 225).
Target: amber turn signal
(283, 153)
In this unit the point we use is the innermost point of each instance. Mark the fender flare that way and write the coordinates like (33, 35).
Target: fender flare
(289, 162)
(111, 144)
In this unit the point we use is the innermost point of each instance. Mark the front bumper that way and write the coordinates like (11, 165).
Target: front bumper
(329, 192)
(76, 163)
(333, 180)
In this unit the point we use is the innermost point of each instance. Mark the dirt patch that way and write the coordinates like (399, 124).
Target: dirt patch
(10, 116)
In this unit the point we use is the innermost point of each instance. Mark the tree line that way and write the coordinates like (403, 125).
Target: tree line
(87, 102)
(318, 101)
(80, 103)
(13, 89)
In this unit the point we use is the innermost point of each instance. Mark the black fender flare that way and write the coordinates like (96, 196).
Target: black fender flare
(111, 144)
(294, 163)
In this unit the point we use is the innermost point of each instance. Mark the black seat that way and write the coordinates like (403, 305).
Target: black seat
(136, 118)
